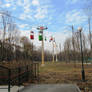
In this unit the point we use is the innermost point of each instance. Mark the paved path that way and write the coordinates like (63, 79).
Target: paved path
(51, 88)
(13, 89)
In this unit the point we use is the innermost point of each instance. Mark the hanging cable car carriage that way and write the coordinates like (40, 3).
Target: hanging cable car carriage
(45, 38)
(51, 39)
(40, 35)
(32, 35)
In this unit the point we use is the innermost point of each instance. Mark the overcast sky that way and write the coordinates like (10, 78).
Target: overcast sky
(57, 15)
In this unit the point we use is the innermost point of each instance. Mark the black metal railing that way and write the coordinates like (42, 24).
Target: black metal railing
(19, 75)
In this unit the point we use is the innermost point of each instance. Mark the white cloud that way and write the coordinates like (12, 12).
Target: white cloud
(25, 16)
(0, 2)
(42, 9)
(7, 5)
(23, 25)
(22, 16)
(14, 8)
(41, 13)
(75, 17)
(35, 2)
(19, 2)
(26, 9)
(9, 0)
(27, 6)
(72, 1)
(26, 2)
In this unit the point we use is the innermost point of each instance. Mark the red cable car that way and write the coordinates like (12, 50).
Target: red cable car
(51, 39)
(32, 35)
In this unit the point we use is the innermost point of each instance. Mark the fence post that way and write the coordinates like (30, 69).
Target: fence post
(38, 72)
(27, 73)
(35, 71)
(9, 79)
(32, 73)
(19, 70)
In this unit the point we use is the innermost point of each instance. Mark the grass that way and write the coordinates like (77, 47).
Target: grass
(59, 72)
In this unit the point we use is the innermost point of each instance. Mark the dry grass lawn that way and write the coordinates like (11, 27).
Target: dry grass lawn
(62, 73)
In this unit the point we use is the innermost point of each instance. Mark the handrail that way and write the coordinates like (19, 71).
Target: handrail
(4, 67)
(12, 68)
(22, 74)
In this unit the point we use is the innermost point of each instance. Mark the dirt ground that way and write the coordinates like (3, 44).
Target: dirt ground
(61, 73)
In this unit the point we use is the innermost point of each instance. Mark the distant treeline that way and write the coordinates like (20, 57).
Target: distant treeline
(72, 50)
(10, 52)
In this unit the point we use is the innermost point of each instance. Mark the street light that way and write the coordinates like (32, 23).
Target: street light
(82, 71)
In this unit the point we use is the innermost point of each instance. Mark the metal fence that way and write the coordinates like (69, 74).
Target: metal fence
(19, 75)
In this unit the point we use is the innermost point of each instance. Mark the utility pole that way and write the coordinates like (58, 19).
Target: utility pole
(90, 32)
(42, 49)
(60, 51)
(53, 51)
(73, 46)
(72, 27)
(56, 52)
(41, 28)
(52, 39)
(4, 33)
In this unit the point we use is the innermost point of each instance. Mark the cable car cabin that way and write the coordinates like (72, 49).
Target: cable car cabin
(40, 37)
(51, 39)
(32, 35)
(45, 38)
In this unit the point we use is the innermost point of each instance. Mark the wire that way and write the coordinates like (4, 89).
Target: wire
(13, 16)
(26, 22)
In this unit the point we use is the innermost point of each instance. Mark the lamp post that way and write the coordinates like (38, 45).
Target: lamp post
(82, 71)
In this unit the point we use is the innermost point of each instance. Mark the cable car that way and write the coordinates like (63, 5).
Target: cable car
(45, 38)
(32, 35)
(40, 36)
(51, 39)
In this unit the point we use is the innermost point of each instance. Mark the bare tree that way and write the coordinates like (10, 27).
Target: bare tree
(88, 12)
(67, 49)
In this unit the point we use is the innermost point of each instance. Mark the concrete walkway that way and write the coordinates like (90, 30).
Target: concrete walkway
(51, 88)
(13, 89)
